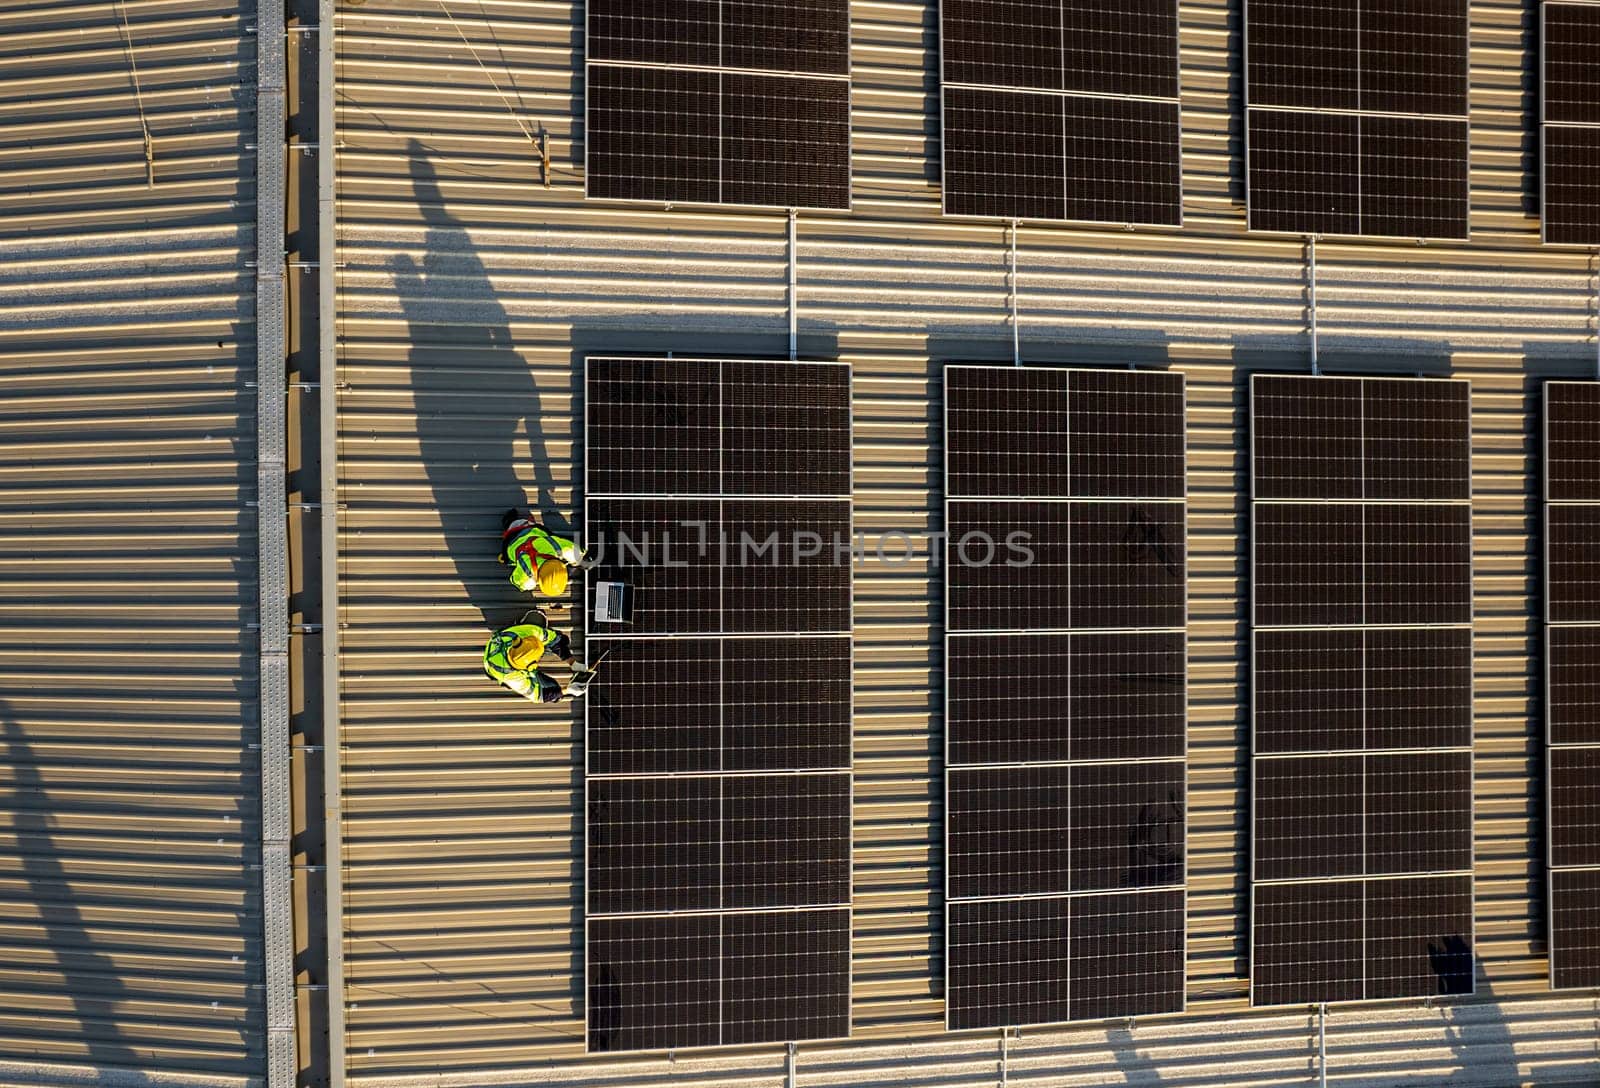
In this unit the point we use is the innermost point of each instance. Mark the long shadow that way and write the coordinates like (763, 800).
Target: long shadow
(475, 397)
(89, 979)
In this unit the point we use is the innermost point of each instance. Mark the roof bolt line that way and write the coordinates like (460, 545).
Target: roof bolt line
(1016, 309)
(794, 284)
(1311, 299)
(1322, 1045)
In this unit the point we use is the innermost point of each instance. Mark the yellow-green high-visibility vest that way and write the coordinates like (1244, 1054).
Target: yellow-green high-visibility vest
(529, 548)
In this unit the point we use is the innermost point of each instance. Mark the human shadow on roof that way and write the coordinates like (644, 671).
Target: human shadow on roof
(477, 405)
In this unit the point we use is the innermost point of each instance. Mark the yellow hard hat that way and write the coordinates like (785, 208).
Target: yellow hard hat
(552, 577)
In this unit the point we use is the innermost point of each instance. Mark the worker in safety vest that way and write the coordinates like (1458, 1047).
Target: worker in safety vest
(537, 557)
(512, 657)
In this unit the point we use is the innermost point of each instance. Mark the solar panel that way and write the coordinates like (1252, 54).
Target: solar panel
(1356, 117)
(1362, 716)
(1570, 123)
(1572, 678)
(718, 737)
(706, 103)
(1061, 110)
(1065, 694)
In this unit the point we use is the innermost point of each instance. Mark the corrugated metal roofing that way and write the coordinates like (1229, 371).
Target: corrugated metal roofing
(468, 296)
(129, 811)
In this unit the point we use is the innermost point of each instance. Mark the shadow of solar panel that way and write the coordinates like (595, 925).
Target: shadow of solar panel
(1571, 50)
(786, 703)
(1418, 564)
(1302, 55)
(1126, 435)
(653, 844)
(1572, 551)
(1571, 207)
(1575, 929)
(654, 31)
(792, 577)
(1002, 43)
(785, 840)
(660, 709)
(652, 982)
(1127, 953)
(1007, 432)
(1010, 831)
(1304, 171)
(785, 429)
(1574, 695)
(1574, 807)
(1003, 154)
(1306, 943)
(811, 36)
(1127, 565)
(1413, 56)
(1008, 963)
(1129, 48)
(653, 426)
(1127, 825)
(1417, 439)
(1308, 565)
(1419, 688)
(1308, 822)
(1310, 691)
(1414, 177)
(1572, 441)
(785, 976)
(1306, 437)
(785, 141)
(1419, 812)
(653, 134)
(1121, 161)
(1419, 937)
(669, 551)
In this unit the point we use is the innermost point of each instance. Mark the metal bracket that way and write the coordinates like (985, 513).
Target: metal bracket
(1311, 299)
(1016, 328)
(794, 284)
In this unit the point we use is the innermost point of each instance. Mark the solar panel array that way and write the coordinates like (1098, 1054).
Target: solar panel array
(1065, 704)
(1572, 684)
(1570, 115)
(710, 102)
(1356, 117)
(1362, 769)
(718, 734)
(1061, 109)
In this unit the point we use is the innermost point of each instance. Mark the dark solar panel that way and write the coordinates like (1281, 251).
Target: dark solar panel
(785, 840)
(1065, 694)
(754, 110)
(718, 764)
(1575, 928)
(652, 982)
(1303, 171)
(1419, 937)
(1356, 117)
(654, 844)
(1362, 797)
(785, 976)
(1061, 110)
(1570, 47)
(1413, 179)
(1572, 441)
(668, 407)
(794, 36)
(1307, 943)
(1572, 662)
